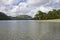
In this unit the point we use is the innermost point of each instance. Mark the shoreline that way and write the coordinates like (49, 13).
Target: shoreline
(54, 20)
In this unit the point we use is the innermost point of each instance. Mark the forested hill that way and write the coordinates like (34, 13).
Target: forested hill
(23, 17)
(3, 16)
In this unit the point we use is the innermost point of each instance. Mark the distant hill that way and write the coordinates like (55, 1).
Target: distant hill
(23, 17)
(3, 16)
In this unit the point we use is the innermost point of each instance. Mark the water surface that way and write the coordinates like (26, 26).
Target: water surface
(29, 30)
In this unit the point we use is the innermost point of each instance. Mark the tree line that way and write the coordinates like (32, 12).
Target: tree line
(55, 14)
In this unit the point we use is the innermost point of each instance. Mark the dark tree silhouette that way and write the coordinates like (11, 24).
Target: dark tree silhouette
(3, 16)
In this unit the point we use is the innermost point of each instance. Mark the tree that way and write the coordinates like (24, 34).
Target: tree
(58, 13)
(55, 14)
(40, 15)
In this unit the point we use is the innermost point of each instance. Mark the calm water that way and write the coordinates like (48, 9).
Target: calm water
(29, 30)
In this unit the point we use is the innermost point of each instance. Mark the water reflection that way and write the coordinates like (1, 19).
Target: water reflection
(29, 30)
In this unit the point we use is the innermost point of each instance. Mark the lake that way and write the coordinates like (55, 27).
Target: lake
(29, 30)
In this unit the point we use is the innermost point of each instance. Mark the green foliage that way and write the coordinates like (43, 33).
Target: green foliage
(40, 16)
(55, 14)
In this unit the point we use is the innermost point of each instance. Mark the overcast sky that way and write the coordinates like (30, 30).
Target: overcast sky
(27, 7)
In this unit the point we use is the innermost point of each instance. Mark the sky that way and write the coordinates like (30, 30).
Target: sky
(27, 7)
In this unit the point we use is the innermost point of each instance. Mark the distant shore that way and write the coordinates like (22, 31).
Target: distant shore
(52, 20)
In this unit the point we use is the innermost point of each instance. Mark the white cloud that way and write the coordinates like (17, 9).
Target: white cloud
(29, 7)
(33, 1)
(41, 8)
(45, 9)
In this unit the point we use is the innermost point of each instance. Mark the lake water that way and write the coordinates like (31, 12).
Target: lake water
(29, 30)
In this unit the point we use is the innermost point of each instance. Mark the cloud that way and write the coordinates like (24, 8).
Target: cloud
(45, 9)
(28, 7)
(33, 1)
